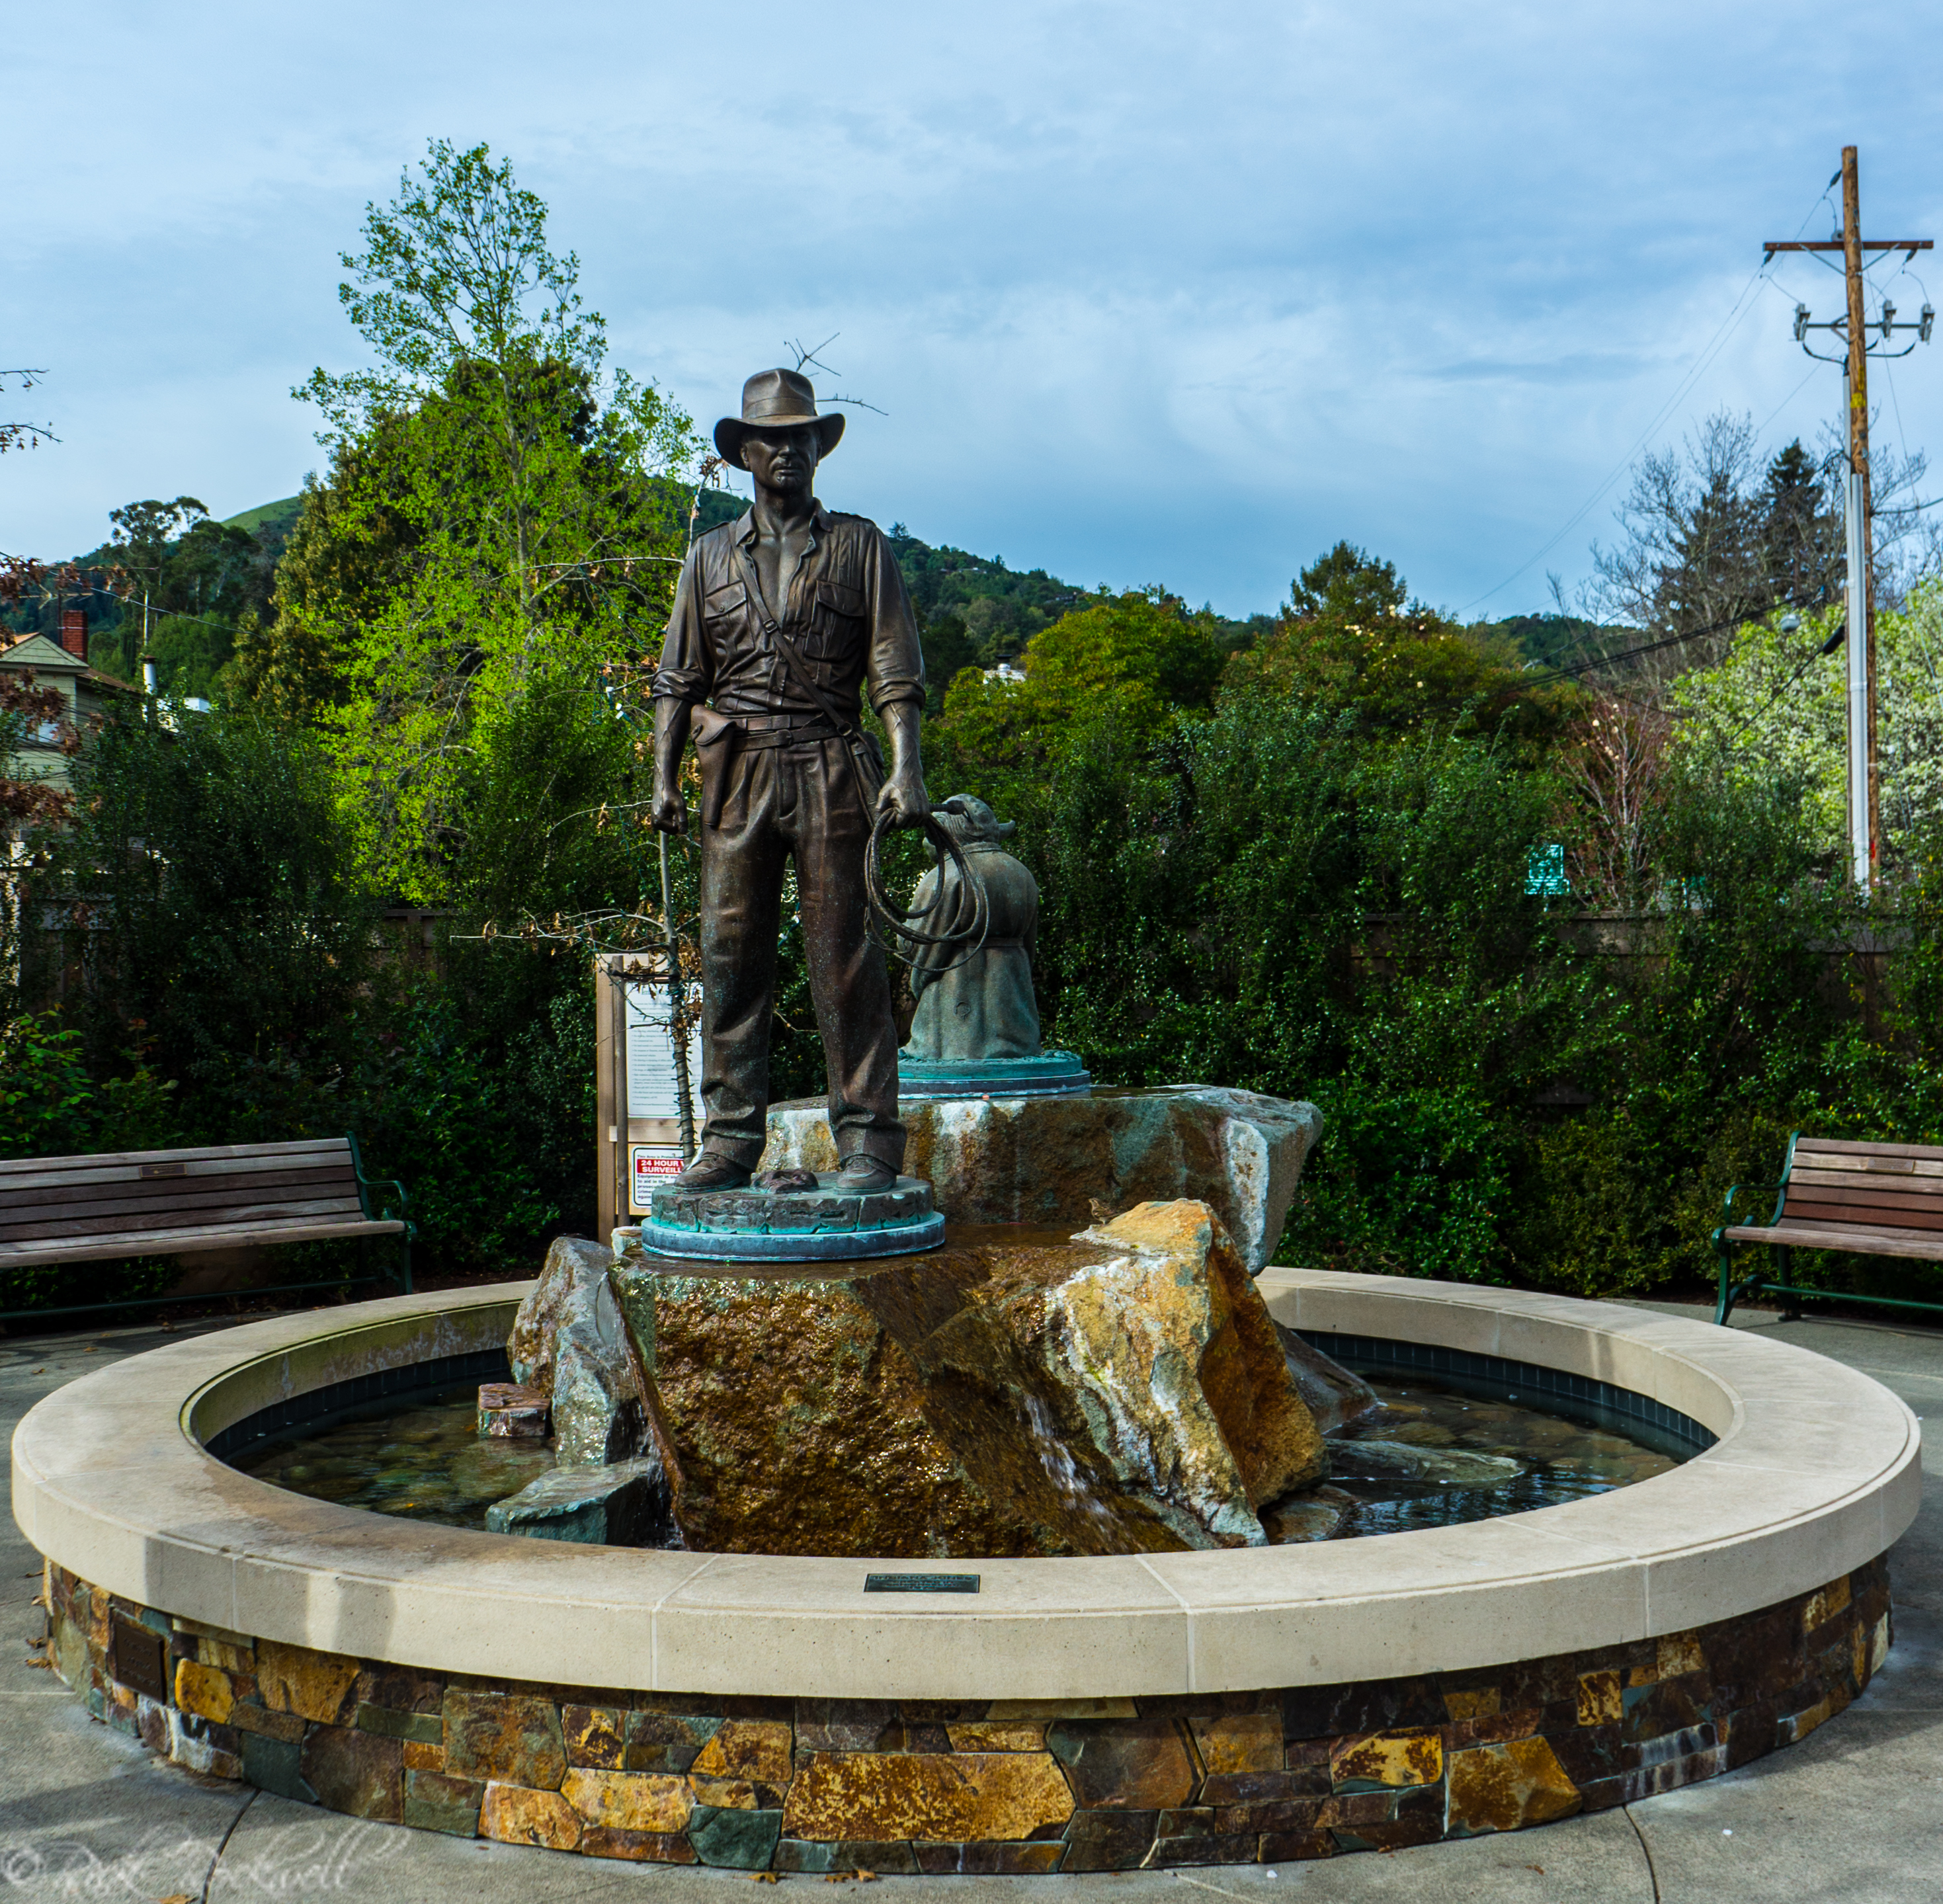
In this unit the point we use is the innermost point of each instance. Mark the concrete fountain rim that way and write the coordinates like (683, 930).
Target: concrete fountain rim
(1816, 1471)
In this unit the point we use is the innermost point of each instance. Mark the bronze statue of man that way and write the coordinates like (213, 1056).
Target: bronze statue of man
(781, 621)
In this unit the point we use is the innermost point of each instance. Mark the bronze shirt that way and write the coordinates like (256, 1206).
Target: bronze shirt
(849, 613)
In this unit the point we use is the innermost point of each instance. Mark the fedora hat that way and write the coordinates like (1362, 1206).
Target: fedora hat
(776, 399)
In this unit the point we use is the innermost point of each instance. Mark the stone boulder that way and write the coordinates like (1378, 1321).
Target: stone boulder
(621, 1505)
(573, 1264)
(1334, 1395)
(568, 1342)
(1056, 1163)
(1123, 1390)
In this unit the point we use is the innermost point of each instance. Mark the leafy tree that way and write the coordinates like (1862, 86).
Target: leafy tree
(1133, 664)
(1713, 537)
(1775, 708)
(497, 524)
(1350, 641)
(227, 920)
(1348, 586)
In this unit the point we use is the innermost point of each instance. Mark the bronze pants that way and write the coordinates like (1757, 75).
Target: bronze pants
(780, 803)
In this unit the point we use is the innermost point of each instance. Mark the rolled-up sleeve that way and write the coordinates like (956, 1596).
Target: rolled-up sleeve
(895, 666)
(686, 673)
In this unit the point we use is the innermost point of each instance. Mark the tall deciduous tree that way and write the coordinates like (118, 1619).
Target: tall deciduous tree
(1133, 664)
(1774, 710)
(1713, 537)
(497, 527)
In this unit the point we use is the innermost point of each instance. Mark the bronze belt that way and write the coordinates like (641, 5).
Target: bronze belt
(780, 730)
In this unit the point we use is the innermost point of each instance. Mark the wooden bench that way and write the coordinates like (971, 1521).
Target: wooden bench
(92, 1209)
(1873, 1199)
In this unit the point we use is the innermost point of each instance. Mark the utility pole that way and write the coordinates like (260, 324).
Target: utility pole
(148, 661)
(1864, 806)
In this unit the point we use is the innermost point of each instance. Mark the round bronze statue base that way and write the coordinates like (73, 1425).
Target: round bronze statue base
(1051, 1074)
(763, 1224)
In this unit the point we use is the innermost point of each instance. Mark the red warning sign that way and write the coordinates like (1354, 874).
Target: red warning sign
(651, 1164)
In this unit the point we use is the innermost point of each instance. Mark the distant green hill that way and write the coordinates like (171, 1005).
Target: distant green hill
(279, 518)
(973, 611)
(272, 524)
(1559, 640)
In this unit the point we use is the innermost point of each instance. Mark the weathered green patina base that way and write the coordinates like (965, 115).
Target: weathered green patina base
(1051, 1074)
(760, 1225)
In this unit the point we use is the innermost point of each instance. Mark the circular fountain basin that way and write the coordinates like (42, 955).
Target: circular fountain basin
(1071, 1714)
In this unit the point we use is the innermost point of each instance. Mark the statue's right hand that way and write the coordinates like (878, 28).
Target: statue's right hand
(668, 811)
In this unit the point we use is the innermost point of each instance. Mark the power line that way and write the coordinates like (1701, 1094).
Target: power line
(1648, 648)
(131, 601)
(1700, 364)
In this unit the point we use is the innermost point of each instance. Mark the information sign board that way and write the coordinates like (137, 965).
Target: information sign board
(652, 1088)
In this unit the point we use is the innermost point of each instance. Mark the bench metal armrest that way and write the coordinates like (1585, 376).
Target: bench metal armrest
(366, 1185)
(1734, 1189)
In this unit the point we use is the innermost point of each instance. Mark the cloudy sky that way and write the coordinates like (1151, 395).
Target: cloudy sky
(1149, 293)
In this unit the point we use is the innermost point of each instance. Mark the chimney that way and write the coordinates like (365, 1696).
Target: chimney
(74, 632)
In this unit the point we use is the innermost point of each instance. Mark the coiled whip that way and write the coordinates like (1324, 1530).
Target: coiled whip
(892, 924)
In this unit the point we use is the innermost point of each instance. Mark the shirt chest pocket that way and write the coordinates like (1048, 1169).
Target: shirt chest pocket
(724, 612)
(835, 623)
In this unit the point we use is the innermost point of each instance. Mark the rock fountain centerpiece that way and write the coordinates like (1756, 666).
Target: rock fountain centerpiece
(806, 1355)
(1123, 1391)
(802, 1377)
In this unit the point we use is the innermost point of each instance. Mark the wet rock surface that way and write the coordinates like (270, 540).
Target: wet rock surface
(574, 1264)
(623, 1504)
(1321, 1514)
(1333, 1394)
(510, 1412)
(569, 1345)
(1120, 1391)
(1056, 1162)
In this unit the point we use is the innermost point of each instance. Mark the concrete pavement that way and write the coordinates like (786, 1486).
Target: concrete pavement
(1855, 1813)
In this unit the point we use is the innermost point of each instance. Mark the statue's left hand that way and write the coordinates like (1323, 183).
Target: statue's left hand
(904, 800)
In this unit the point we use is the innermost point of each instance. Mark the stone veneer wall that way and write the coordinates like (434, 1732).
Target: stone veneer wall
(816, 1784)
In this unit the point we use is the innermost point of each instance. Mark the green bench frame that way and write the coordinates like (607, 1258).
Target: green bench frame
(1869, 1200)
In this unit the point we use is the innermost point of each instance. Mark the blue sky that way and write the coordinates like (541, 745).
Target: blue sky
(1149, 293)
